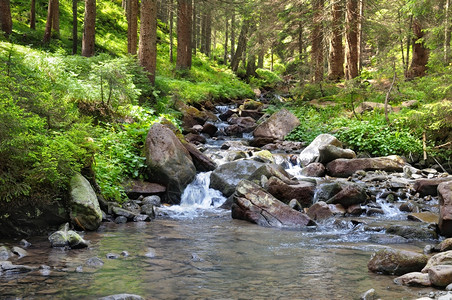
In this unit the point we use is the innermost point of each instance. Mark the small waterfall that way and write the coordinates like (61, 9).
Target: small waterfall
(198, 194)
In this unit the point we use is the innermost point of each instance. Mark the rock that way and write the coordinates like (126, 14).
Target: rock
(124, 253)
(355, 210)
(413, 279)
(226, 177)
(314, 170)
(303, 192)
(251, 105)
(122, 297)
(240, 125)
(19, 251)
(370, 106)
(10, 267)
(226, 115)
(320, 211)
(330, 152)
(271, 170)
(326, 191)
(195, 138)
(369, 295)
(445, 208)
(409, 206)
(4, 253)
(67, 238)
(148, 209)
(168, 161)
(141, 218)
(256, 115)
(348, 196)
(311, 153)
(234, 130)
(58, 239)
(424, 217)
(264, 156)
(118, 211)
(396, 262)
(277, 126)
(201, 161)
(253, 204)
(120, 220)
(75, 241)
(346, 167)
(209, 129)
(427, 187)
(112, 256)
(442, 258)
(440, 275)
(152, 200)
(95, 262)
(447, 296)
(416, 232)
(445, 245)
(85, 211)
(192, 116)
(24, 243)
(294, 204)
(196, 128)
(135, 188)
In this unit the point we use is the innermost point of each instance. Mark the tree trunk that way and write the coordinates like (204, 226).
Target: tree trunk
(193, 28)
(420, 53)
(251, 66)
(74, 27)
(48, 29)
(317, 41)
(336, 55)
(33, 15)
(360, 35)
(300, 41)
(89, 28)
(226, 39)
(56, 19)
(351, 45)
(171, 23)
(209, 30)
(5, 17)
(163, 11)
(132, 26)
(147, 50)
(447, 32)
(241, 46)
(232, 34)
(184, 18)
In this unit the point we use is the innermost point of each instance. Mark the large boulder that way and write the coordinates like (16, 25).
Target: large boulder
(440, 275)
(271, 170)
(396, 262)
(226, 177)
(67, 238)
(201, 161)
(413, 279)
(445, 208)
(442, 258)
(370, 106)
(330, 152)
(137, 188)
(427, 187)
(349, 195)
(168, 161)
(85, 211)
(326, 191)
(277, 126)
(253, 204)
(303, 191)
(346, 167)
(311, 153)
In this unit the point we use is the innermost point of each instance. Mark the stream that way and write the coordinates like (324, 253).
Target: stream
(197, 251)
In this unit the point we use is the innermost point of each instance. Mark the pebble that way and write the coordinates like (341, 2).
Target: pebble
(125, 253)
(112, 256)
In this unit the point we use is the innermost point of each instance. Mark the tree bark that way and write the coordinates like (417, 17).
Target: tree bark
(147, 51)
(226, 39)
(251, 65)
(447, 32)
(163, 11)
(351, 45)
(89, 28)
(193, 28)
(241, 46)
(232, 34)
(360, 35)
(317, 41)
(33, 15)
(171, 23)
(48, 29)
(420, 53)
(336, 55)
(5, 17)
(300, 41)
(184, 19)
(132, 26)
(74, 27)
(56, 19)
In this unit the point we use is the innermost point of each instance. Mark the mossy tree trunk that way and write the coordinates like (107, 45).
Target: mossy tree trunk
(420, 52)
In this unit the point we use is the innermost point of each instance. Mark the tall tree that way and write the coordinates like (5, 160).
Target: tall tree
(5, 17)
(336, 54)
(447, 32)
(194, 38)
(171, 23)
(226, 39)
(33, 15)
(89, 28)
(147, 51)
(317, 40)
(56, 19)
(184, 19)
(420, 52)
(49, 22)
(232, 34)
(132, 26)
(241, 45)
(74, 27)
(351, 37)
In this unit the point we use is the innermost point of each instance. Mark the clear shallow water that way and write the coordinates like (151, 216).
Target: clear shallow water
(208, 257)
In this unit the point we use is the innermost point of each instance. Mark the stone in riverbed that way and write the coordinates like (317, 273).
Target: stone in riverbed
(445, 208)
(417, 232)
(442, 258)
(427, 187)
(346, 167)
(253, 204)
(396, 262)
(326, 191)
(84, 206)
(67, 238)
(303, 191)
(10, 267)
(413, 279)
(330, 152)
(4, 253)
(201, 161)
(277, 126)
(440, 275)
(350, 195)
(122, 297)
(320, 211)
(314, 170)
(311, 153)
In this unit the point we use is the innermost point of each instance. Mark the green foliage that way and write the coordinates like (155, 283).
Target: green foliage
(265, 78)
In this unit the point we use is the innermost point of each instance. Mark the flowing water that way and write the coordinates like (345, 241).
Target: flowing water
(197, 251)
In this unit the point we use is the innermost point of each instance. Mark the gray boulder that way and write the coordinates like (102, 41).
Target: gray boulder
(271, 170)
(326, 191)
(346, 167)
(302, 191)
(442, 258)
(226, 177)
(85, 211)
(277, 126)
(253, 204)
(416, 232)
(313, 170)
(311, 153)
(445, 208)
(396, 262)
(169, 163)
(330, 152)
(349, 195)
(413, 279)
(67, 238)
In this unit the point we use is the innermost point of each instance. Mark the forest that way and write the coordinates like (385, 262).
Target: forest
(82, 81)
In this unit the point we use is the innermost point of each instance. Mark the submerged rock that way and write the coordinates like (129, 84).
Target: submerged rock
(396, 262)
(10, 267)
(415, 232)
(84, 206)
(253, 204)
